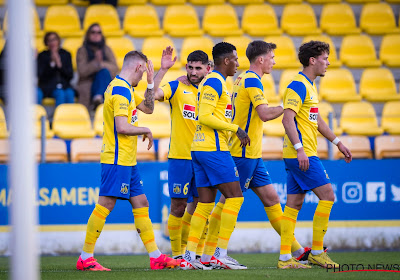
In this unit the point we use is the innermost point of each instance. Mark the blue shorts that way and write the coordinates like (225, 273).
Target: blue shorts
(301, 182)
(252, 173)
(181, 181)
(214, 168)
(120, 181)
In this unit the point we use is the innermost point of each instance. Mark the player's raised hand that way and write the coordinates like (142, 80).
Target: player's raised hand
(243, 137)
(150, 72)
(345, 151)
(149, 136)
(166, 58)
(304, 162)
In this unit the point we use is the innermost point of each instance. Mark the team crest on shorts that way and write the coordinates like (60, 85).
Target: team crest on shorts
(247, 184)
(124, 188)
(326, 174)
(236, 172)
(177, 188)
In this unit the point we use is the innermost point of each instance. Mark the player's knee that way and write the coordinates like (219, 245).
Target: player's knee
(271, 201)
(178, 210)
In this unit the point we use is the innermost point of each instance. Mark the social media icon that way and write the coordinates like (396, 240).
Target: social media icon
(395, 192)
(376, 192)
(352, 192)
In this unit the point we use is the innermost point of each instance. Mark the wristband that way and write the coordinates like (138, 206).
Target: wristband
(298, 146)
(150, 86)
(281, 105)
(336, 141)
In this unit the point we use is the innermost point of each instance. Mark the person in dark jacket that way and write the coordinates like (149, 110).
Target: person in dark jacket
(55, 71)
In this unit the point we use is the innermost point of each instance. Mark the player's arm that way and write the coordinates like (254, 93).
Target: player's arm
(267, 113)
(147, 105)
(123, 127)
(166, 63)
(291, 131)
(324, 129)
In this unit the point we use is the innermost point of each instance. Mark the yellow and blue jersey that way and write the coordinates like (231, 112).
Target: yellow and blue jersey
(182, 100)
(213, 91)
(119, 100)
(302, 97)
(248, 93)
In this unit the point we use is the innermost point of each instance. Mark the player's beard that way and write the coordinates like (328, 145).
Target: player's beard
(196, 81)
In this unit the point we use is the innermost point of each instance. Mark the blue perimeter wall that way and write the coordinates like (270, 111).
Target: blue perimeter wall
(364, 190)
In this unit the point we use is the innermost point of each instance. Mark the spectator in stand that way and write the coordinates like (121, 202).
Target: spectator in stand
(96, 67)
(54, 69)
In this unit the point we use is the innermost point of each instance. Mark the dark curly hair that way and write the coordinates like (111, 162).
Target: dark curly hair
(222, 50)
(312, 49)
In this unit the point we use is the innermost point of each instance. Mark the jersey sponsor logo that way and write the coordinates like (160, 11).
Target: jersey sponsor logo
(187, 92)
(134, 117)
(177, 189)
(124, 188)
(313, 114)
(189, 112)
(228, 111)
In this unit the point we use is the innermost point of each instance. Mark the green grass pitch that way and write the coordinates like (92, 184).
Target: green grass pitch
(260, 266)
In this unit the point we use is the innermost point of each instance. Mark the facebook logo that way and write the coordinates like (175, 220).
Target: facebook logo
(376, 192)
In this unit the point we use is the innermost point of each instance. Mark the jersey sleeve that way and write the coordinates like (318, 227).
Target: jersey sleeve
(212, 90)
(255, 91)
(121, 98)
(294, 96)
(138, 98)
(169, 89)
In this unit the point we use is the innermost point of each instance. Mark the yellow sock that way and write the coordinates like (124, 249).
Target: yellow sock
(320, 223)
(287, 229)
(197, 224)
(213, 230)
(175, 232)
(185, 230)
(228, 220)
(145, 228)
(202, 241)
(275, 214)
(94, 227)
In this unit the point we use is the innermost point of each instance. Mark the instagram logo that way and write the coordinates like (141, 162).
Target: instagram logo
(352, 192)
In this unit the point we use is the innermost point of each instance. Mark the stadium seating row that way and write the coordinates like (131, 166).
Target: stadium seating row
(87, 150)
(72, 121)
(219, 20)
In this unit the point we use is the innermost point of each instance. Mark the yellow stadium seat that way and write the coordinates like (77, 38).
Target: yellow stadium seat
(359, 118)
(191, 44)
(260, 20)
(120, 47)
(241, 43)
(105, 15)
(358, 51)
(4, 150)
(378, 19)
(159, 122)
(323, 1)
(131, 2)
(272, 147)
(361, 1)
(391, 117)
(338, 85)
(80, 2)
(280, 2)
(387, 146)
(3, 124)
(143, 154)
(333, 60)
(39, 44)
(221, 20)
(98, 120)
(324, 109)
(206, 2)
(50, 2)
(285, 52)
(291, 24)
(378, 85)
(245, 2)
(84, 150)
(72, 45)
(64, 20)
(39, 112)
(163, 148)
(338, 19)
(389, 50)
(48, 101)
(168, 2)
(2, 42)
(153, 47)
(286, 77)
(322, 147)
(56, 150)
(393, 1)
(359, 146)
(72, 121)
(181, 21)
(269, 88)
(36, 23)
(274, 127)
(142, 21)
